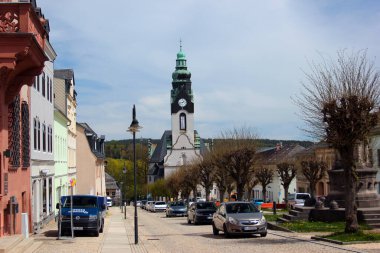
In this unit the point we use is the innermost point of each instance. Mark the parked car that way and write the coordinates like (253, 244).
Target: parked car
(200, 212)
(159, 206)
(297, 199)
(239, 217)
(109, 201)
(257, 202)
(138, 203)
(88, 214)
(178, 208)
(143, 202)
(149, 205)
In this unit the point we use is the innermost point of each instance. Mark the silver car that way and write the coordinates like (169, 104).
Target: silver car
(239, 218)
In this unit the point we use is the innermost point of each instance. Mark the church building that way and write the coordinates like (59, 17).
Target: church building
(180, 145)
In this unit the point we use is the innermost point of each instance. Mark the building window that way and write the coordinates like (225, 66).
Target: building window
(44, 138)
(39, 135)
(38, 82)
(182, 121)
(14, 132)
(35, 134)
(48, 89)
(43, 84)
(50, 139)
(51, 90)
(25, 135)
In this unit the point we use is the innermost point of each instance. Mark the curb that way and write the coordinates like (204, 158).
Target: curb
(317, 238)
(278, 228)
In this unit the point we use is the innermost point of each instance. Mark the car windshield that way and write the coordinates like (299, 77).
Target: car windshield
(177, 204)
(160, 203)
(241, 208)
(79, 202)
(206, 205)
(303, 196)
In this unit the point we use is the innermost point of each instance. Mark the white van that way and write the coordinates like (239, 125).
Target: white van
(109, 201)
(297, 199)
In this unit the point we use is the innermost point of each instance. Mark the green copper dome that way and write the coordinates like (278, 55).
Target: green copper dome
(181, 55)
(181, 74)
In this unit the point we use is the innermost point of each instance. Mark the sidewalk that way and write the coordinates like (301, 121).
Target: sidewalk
(119, 234)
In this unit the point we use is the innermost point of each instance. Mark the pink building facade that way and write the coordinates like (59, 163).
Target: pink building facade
(22, 57)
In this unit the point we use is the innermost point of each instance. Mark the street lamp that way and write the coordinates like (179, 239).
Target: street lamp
(121, 195)
(125, 178)
(133, 128)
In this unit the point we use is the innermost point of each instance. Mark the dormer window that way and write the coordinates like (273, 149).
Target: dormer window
(182, 121)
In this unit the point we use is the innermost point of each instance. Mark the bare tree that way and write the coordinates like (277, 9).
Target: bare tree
(220, 176)
(250, 185)
(265, 177)
(205, 169)
(173, 184)
(188, 180)
(236, 151)
(314, 171)
(338, 105)
(287, 172)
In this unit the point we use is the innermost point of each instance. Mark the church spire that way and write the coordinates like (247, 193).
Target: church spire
(181, 74)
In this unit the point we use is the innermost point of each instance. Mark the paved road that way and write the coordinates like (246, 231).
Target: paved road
(160, 234)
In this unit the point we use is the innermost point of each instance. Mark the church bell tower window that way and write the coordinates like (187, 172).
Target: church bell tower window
(182, 121)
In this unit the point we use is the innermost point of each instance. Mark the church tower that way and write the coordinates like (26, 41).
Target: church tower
(184, 143)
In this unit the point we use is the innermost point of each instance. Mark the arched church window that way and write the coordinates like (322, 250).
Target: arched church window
(182, 121)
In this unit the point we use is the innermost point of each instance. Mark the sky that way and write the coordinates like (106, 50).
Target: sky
(248, 58)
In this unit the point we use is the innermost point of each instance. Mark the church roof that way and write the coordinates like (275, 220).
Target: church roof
(160, 151)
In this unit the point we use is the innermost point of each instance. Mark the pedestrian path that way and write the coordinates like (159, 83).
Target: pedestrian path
(119, 234)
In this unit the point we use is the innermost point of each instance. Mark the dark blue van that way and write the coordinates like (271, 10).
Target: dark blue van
(88, 214)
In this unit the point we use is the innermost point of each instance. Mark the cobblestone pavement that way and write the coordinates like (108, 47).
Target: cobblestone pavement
(160, 234)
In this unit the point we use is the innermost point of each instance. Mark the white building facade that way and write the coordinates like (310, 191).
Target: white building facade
(42, 132)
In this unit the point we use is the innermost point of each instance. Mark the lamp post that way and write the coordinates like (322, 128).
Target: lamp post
(125, 179)
(121, 195)
(133, 128)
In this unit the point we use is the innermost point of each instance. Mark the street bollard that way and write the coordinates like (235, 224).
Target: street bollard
(125, 210)
(274, 207)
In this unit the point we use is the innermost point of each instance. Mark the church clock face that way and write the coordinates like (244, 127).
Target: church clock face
(182, 102)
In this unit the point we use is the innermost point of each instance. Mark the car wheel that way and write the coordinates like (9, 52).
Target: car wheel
(188, 220)
(226, 234)
(215, 231)
(263, 234)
